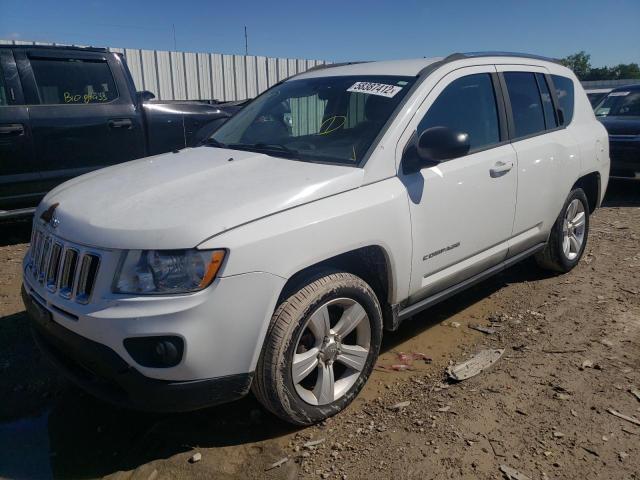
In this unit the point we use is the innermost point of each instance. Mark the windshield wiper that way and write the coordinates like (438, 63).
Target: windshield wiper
(265, 147)
(212, 142)
(254, 147)
(276, 146)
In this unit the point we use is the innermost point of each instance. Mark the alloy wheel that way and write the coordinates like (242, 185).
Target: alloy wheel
(331, 351)
(573, 229)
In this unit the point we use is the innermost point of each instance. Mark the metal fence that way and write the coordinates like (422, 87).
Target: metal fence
(587, 84)
(203, 76)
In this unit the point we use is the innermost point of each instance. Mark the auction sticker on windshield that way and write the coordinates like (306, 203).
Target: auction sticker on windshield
(371, 88)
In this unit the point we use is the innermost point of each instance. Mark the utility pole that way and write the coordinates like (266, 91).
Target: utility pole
(175, 45)
(246, 41)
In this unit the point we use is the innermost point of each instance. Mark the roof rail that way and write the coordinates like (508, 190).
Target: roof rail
(501, 54)
(331, 65)
(450, 58)
(435, 65)
(57, 47)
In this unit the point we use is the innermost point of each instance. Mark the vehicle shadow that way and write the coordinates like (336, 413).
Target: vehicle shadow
(622, 193)
(89, 438)
(13, 232)
(525, 271)
(80, 436)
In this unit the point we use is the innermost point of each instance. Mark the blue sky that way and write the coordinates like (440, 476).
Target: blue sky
(336, 30)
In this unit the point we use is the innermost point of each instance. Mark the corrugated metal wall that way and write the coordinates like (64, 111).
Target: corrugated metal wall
(608, 83)
(203, 76)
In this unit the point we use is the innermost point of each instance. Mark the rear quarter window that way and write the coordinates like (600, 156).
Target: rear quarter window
(565, 95)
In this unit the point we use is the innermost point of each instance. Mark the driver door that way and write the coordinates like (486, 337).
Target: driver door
(462, 210)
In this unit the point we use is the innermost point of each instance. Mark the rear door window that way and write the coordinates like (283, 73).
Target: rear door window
(526, 105)
(73, 81)
(565, 94)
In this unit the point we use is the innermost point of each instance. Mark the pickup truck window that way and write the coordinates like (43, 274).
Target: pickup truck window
(3, 89)
(327, 119)
(73, 81)
(467, 105)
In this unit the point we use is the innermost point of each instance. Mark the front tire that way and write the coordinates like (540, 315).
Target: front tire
(568, 237)
(320, 349)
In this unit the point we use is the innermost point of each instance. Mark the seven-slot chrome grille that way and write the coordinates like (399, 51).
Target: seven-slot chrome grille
(63, 267)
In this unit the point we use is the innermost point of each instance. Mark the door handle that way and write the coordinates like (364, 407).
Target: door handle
(120, 123)
(500, 168)
(16, 129)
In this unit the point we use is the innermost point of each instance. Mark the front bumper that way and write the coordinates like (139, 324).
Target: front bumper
(99, 370)
(221, 327)
(624, 151)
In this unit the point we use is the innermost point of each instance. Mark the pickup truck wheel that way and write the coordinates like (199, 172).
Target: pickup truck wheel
(568, 237)
(321, 346)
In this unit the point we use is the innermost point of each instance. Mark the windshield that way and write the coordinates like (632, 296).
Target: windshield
(621, 103)
(326, 119)
(595, 97)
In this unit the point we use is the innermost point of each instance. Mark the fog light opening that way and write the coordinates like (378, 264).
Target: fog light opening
(155, 352)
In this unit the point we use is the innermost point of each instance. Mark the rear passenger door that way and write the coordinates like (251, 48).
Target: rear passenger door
(546, 152)
(461, 209)
(18, 172)
(80, 119)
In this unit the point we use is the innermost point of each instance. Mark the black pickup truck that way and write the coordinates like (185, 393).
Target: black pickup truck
(65, 111)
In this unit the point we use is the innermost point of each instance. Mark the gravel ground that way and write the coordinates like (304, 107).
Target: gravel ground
(571, 357)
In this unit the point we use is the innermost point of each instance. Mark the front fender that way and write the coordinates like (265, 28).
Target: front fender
(287, 242)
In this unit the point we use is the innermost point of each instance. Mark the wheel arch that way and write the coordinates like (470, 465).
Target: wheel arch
(371, 263)
(591, 185)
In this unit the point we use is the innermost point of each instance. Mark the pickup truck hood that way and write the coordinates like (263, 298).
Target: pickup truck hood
(177, 200)
(622, 125)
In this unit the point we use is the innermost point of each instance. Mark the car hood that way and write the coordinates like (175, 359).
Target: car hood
(621, 125)
(178, 200)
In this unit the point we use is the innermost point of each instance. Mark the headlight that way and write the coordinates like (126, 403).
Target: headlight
(167, 271)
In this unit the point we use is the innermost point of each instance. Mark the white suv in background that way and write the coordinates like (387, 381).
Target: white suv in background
(334, 206)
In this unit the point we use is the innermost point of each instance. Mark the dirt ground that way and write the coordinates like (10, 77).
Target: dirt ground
(572, 355)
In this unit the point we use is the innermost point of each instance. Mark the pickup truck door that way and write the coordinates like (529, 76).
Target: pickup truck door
(83, 114)
(19, 175)
(462, 209)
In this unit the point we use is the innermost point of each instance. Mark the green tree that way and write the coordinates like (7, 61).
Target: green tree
(600, 73)
(626, 71)
(580, 63)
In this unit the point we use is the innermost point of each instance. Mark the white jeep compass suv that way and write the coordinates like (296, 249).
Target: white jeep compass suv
(332, 207)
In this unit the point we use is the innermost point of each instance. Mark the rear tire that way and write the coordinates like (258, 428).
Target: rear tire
(569, 234)
(320, 349)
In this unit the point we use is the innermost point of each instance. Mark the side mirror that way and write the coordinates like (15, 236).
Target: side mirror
(145, 96)
(435, 145)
